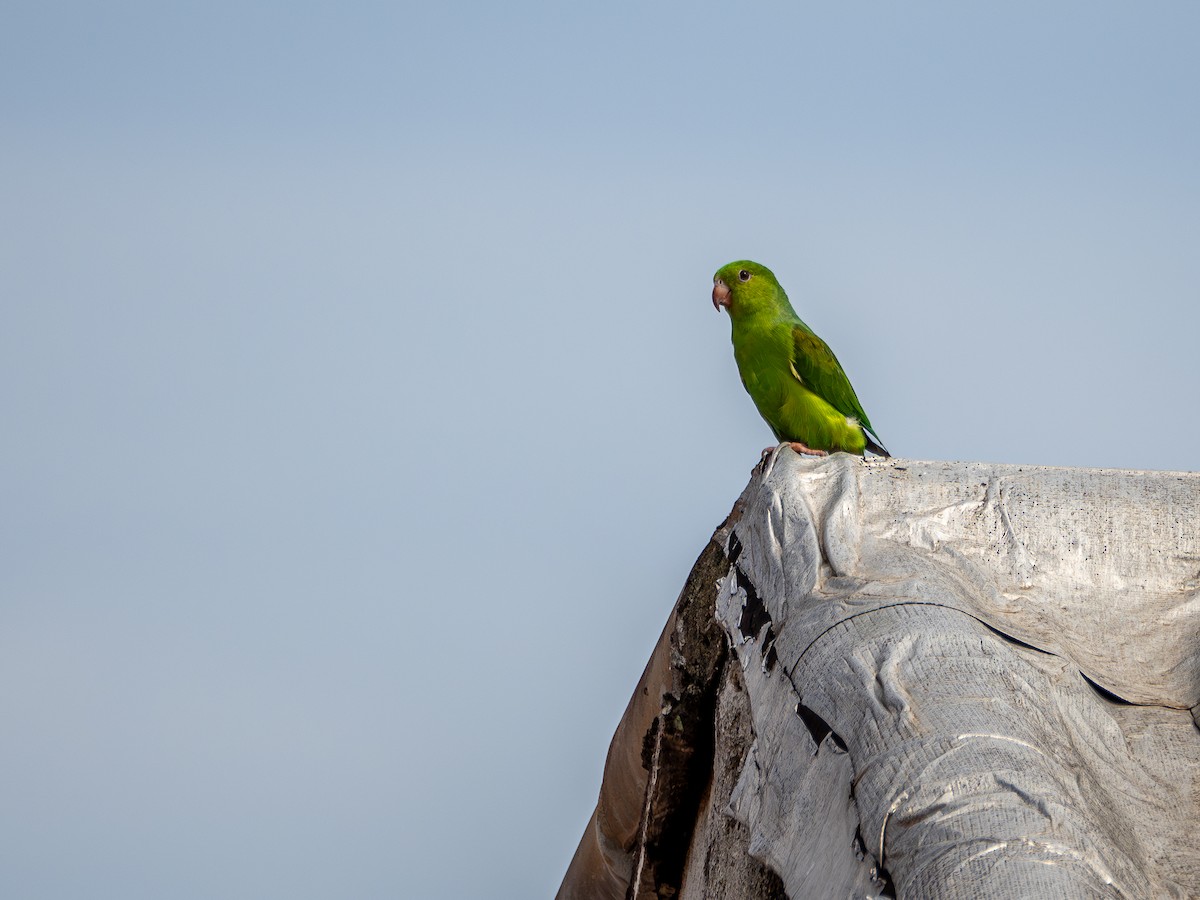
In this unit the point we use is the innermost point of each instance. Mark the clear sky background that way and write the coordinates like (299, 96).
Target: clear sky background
(364, 405)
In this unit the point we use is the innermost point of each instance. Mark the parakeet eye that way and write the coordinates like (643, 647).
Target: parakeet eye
(743, 275)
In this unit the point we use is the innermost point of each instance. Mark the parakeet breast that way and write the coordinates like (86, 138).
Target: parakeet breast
(790, 407)
(764, 360)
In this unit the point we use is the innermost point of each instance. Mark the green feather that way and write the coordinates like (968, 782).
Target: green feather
(793, 377)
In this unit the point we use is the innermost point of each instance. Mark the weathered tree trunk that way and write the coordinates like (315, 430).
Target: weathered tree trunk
(935, 680)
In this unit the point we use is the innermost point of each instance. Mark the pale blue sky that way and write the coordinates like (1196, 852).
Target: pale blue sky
(365, 406)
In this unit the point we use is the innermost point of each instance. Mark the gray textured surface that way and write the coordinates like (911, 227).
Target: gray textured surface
(971, 764)
(933, 680)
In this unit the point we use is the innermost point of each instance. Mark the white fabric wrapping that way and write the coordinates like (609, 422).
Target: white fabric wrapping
(943, 628)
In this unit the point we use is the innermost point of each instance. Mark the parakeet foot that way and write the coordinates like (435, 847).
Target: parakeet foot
(805, 450)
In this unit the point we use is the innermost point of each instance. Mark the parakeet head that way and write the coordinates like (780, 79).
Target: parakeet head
(745, 288)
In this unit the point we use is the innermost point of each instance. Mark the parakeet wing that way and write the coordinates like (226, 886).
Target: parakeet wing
(820, 371)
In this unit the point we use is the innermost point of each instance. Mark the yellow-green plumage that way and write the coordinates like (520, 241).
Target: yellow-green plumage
(791, 374)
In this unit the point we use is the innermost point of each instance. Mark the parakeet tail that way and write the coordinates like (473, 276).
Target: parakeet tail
(877, 449)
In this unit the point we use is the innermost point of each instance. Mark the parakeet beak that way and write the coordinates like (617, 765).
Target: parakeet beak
(720, 295)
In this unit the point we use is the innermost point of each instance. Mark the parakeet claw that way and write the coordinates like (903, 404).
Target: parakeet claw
(766, 461)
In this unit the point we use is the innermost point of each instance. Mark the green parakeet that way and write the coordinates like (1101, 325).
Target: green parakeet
(791, 374)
